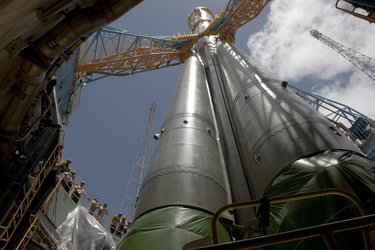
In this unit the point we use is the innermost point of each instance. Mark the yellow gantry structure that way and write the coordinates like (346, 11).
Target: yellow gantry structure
(129, 62)
(113, 51)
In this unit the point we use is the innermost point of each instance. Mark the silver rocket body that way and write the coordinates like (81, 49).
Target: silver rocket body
(186, 168)
(271, 126)
(275, 127)
(229, 120)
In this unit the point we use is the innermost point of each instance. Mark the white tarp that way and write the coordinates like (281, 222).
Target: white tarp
(82, 231)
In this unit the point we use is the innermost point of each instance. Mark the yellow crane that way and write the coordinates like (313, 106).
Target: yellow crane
(114, 51)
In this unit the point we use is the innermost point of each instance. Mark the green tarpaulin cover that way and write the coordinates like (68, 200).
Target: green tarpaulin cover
(170, 228)
(331, 169)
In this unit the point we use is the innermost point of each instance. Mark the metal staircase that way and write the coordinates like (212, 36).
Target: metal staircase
(10, 225)
(35, 219)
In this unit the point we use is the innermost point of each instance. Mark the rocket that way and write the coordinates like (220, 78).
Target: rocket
(235, 133)
(185, 183)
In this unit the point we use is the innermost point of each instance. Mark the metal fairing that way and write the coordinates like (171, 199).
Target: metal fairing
(275, 126)
(185, 169)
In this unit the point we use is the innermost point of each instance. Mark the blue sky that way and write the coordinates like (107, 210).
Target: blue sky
(104, 134)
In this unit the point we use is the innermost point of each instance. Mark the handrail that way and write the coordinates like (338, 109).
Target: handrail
(298, 234)
(357, 202)
(6, 232)
(370, 19)
(35, 218)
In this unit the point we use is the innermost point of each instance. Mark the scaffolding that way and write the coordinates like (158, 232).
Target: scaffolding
(130, 199)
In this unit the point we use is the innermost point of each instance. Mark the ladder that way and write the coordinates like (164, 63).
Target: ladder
(7, 230)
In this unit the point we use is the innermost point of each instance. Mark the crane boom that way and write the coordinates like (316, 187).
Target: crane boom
(134, 61)
(236, 14)
(112, 51)
(364, 63)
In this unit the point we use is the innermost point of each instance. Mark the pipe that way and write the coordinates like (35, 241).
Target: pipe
(31, 78)
(82, 23)
(37, 120)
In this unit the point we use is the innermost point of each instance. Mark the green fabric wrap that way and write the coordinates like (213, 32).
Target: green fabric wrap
(170, 228)
(331, 169)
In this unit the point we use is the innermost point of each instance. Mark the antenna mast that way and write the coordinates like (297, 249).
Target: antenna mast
(133, 186)
(364, 63)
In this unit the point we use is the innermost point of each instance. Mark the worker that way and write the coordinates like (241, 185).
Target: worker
(94, 206)
(115, 222)
(103, 209)
(78, 191)
(68, 180)
(122, 227)
(129, 224)
(63, 165)
(73, 175)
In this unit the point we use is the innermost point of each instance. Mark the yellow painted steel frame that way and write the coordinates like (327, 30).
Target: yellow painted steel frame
(138, 60)
(7, 231)
(327, 233)
(193, 39)
(243, 13)
(36, 218)
(356, 14)
(145, 59)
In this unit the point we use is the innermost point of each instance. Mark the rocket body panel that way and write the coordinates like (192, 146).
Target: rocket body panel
(239, 187)
(275, 127)
(186, 169)
(191, 98)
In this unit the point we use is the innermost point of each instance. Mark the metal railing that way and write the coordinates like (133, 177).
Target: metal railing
(325, 230)
(7, 231)
(340, 4)
(36, 218)
(359, 128)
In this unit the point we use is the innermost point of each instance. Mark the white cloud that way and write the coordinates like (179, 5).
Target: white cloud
(286, 48)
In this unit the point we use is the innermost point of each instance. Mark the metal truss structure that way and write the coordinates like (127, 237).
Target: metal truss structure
(356, 126)
(112, 51)
(334, 111)
(361, 61)
(133, 186)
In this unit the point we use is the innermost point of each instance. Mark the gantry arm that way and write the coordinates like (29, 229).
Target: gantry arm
(134, 61)
(112, 51)
(236, 14)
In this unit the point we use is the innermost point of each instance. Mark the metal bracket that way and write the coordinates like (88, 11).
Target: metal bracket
(16, 46)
